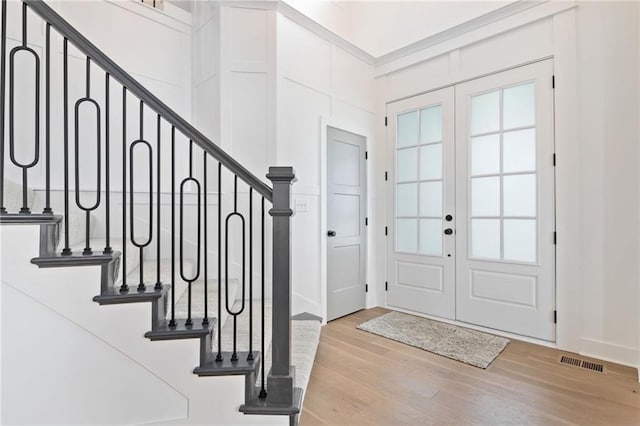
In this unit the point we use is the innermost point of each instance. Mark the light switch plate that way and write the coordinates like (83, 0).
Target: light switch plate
(300, 205)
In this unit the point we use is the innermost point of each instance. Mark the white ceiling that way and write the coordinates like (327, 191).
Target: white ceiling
(380, 27)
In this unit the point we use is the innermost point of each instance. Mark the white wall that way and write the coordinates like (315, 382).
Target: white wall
(608, 68)
(276, 81)
(318, 81)
(595, 53)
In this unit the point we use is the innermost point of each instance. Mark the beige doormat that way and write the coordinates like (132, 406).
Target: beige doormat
(464, 345)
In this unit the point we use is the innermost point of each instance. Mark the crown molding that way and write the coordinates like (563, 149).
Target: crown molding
(446, 35)
(429, 47)
(298, 17)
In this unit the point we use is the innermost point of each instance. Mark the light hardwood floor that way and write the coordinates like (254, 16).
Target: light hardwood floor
(362, 379)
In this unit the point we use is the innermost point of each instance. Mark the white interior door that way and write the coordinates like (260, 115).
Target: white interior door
(421, 268)
(505, 201)
(346, 214)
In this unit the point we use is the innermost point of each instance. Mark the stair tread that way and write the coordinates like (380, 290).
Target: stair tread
(197, 299)
(149, 268)
(115, 296)
(75, 259)
(181, 330)
(98, 244)
(226, 367)
(29, 219)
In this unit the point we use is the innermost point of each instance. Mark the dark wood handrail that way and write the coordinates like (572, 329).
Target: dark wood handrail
(133, 86)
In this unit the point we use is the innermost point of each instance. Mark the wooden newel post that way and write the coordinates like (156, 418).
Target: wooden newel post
(281, 377)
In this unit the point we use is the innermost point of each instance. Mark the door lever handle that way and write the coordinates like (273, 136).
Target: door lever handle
(331, 234)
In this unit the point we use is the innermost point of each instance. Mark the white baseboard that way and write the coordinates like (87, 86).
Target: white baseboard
(303, 304)
(611, 352)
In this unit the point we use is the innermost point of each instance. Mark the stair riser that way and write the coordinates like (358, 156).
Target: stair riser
(158, 312)
(251, 392)
(108, 274)
(49, 235)
(205, 348)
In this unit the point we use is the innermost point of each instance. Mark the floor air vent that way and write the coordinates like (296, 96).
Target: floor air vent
(580, 363)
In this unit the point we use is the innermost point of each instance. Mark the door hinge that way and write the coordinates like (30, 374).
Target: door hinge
(554, 159)
(553, 81)
(555, 237)
(366, 288)
(366, 221)
(386, 122)
(386, 286)
(386, 230)
(386, 176)
(555, 317)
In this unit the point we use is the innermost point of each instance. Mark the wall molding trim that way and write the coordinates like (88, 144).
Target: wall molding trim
(490, 25)
(505, 19)
(172, 16)
(611, 352)
(481, 21)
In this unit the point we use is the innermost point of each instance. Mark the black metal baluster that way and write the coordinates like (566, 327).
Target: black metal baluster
(107, 165)
(190, 158)
(66, 251)
(250, 356)
(205, 320)
(124, 287)
(24, 48)
(234, 355)
(219, 355)
(263, 391)
(172, 323)
(158, 285)
(47, 164)
(87, 209)
(143, 244)
(3, 69)
(195, 276)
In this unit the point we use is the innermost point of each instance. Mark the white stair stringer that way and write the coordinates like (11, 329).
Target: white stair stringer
(68, 292)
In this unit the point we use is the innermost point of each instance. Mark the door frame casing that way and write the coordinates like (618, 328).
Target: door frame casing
(325, 123)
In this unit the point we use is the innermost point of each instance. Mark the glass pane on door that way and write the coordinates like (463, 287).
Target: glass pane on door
(502, 174)
(419, 181)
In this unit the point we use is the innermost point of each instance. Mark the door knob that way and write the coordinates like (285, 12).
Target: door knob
(448, 218)
(331, 234)
(448, 231)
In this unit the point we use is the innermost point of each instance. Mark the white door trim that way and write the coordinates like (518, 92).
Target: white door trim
(326, 122)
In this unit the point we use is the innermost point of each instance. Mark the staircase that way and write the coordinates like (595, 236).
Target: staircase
(168, 217)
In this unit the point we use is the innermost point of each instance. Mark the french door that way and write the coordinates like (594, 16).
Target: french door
(473, 202)
(422, 265)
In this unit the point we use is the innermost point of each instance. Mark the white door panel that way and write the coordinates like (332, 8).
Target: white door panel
(504, 201)
(346, 211)
(421, 266)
